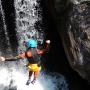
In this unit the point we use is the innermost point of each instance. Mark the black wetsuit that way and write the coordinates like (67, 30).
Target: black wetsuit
(35, 59)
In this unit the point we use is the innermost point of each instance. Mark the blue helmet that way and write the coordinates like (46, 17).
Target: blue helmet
(31, 43)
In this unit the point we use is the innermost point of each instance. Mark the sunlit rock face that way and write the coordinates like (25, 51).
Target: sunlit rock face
(73, 23)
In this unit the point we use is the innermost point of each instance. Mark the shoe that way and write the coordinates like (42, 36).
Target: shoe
(28, 82)
(33, 81)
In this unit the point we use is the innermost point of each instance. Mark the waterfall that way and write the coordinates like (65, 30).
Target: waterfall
(24, 20)
(20, 18)
(26, 17)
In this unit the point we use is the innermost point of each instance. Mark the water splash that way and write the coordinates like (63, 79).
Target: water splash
(53, 81)
(17, 78)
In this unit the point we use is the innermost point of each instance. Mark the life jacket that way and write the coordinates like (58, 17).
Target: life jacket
(35, 59)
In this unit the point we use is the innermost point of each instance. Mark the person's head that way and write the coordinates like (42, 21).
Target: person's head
(31, 43)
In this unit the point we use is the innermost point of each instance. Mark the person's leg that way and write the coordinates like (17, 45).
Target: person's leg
(36, 73)
(29, 80)
(30, 74)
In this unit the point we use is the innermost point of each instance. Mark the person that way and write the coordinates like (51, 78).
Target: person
(32, 55)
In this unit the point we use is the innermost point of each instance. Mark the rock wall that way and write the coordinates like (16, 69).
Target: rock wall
(73, 25)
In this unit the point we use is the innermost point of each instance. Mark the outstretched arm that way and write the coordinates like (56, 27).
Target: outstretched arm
(9, 59)
(20, 56)
(46, 47)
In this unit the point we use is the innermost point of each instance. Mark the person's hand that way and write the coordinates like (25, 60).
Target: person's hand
(48, 41)
(2, 58)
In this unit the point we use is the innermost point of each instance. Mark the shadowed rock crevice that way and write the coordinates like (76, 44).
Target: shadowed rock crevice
(73, 25)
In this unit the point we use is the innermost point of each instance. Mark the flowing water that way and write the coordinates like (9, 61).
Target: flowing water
(22, 18)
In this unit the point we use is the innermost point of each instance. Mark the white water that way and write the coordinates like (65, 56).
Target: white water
(16, 80)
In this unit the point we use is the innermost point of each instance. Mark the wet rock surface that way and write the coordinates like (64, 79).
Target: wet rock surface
(78, 33)
(73, 23)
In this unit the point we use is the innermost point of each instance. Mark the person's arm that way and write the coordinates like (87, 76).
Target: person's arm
(47, 44)
(9, 58)
(12, 58)
(20, 56)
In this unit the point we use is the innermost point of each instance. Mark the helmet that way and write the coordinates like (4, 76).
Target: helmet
(31, 43)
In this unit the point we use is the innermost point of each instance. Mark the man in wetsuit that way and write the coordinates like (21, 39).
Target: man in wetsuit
(32, 55)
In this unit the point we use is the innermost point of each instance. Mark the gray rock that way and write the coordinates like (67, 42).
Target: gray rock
(73, 22)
